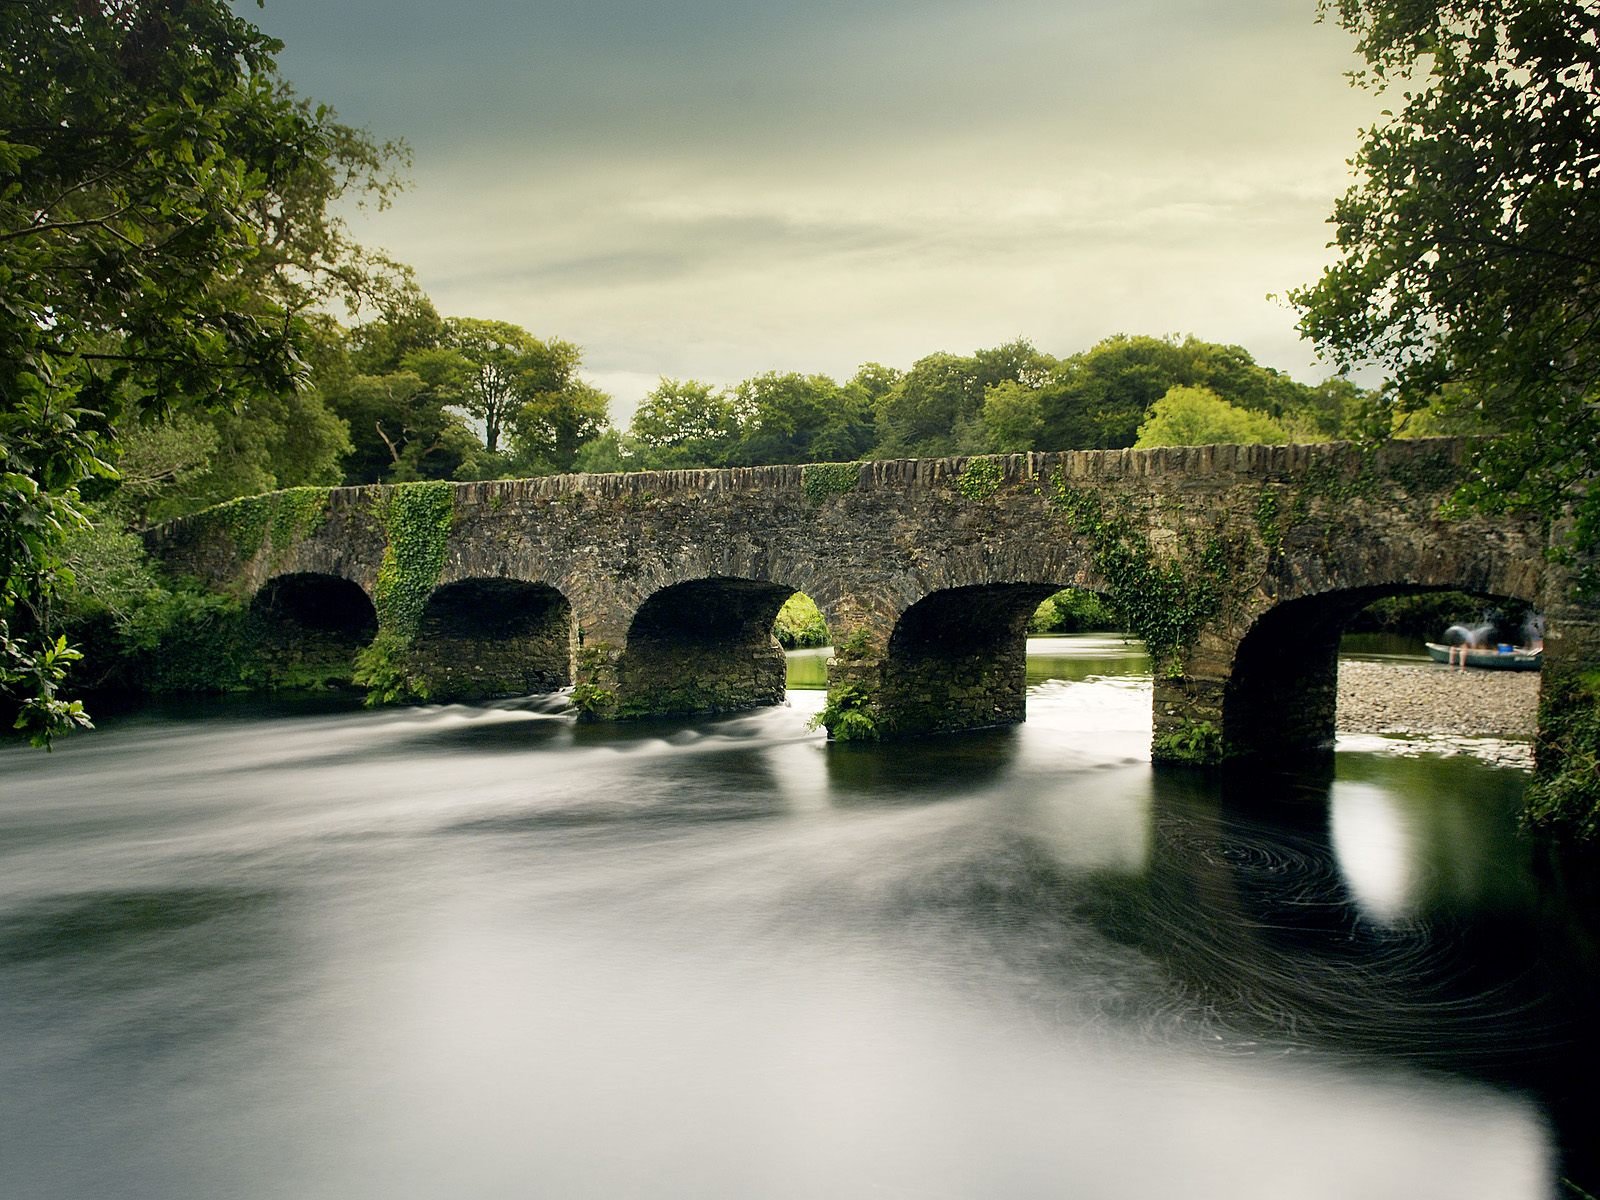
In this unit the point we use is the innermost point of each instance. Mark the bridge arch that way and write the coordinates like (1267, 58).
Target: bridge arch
(483, 637)
(312, 624)
(1281, 695)
(957, 658)
(703, 646)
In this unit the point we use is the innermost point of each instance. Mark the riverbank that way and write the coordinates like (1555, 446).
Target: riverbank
(1437, 705)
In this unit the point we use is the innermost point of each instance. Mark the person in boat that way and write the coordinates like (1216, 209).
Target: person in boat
(1463, 640)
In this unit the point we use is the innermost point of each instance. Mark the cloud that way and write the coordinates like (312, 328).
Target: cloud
(712, 188)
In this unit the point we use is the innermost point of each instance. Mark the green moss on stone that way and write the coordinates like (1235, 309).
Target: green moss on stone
(276, 518)
(979, 479)
(296, 513)
(821, 480)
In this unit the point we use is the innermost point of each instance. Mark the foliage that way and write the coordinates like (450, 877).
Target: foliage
(392, 381)
(787, 418)
(1197, 416)
(1198, 743)
(591, 699)
(34, 673)
(164, 222)
(296, 513)
(384, 669)
(685, 423)
(926, 409)
(1008, 399)
(1099, 398)
(611, 451)
(1010, 421)
(110, 575)
(1469, 244)
(280, 440)
(800, 624)
(1564, 797)
(551, 428)
(1268, 514)
(821, 480)
(278, 518)
(416, 520)
(856, 645)
(847, 715)
(1073, 610)
(979, 479)
(1162, 602)
(156, 460)
(1427, 616)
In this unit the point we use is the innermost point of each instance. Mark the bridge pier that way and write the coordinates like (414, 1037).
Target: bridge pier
(956, 659)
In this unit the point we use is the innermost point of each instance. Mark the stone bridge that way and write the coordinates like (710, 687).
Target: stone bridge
(655, 592)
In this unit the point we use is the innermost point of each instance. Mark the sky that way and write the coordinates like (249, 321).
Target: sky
(710, 189)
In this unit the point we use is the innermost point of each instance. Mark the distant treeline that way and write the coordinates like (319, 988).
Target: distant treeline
(1122, 392)
(418, 396)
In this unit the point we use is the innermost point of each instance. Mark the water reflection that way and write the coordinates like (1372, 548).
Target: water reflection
(490, 952)
(1378, 851)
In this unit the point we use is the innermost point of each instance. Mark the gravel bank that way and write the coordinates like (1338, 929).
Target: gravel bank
(1431, 700)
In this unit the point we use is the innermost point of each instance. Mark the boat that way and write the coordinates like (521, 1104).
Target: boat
(1509, 659)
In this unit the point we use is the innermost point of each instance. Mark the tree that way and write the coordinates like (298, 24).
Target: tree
(400, 428)
(1097, 398)
(555, 423)
(163, 224)
(1194, 416)
(1469, 247)
(927, 409)
(684, 423)
(503, 365)
(791, 418)
(1009, 422)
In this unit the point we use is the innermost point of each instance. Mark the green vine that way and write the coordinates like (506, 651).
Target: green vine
(821, 480)
(979, 479)
(245, 522)
(281, 518)
(416, 520)
(1164, 603)
(1268, 506)
(297, 513)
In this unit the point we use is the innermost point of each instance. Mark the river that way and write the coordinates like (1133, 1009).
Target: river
(297, 951)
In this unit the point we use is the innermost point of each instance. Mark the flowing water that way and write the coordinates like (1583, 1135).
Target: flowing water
(311, 951)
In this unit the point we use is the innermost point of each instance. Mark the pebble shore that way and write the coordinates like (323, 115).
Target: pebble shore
(1427, 708)
(1428, 698)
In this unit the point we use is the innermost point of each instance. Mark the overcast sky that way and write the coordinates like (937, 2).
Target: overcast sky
(713, 188)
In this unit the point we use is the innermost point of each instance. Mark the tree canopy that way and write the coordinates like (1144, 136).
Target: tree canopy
(1197, 416)
(1470, 243)
(163, 223)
